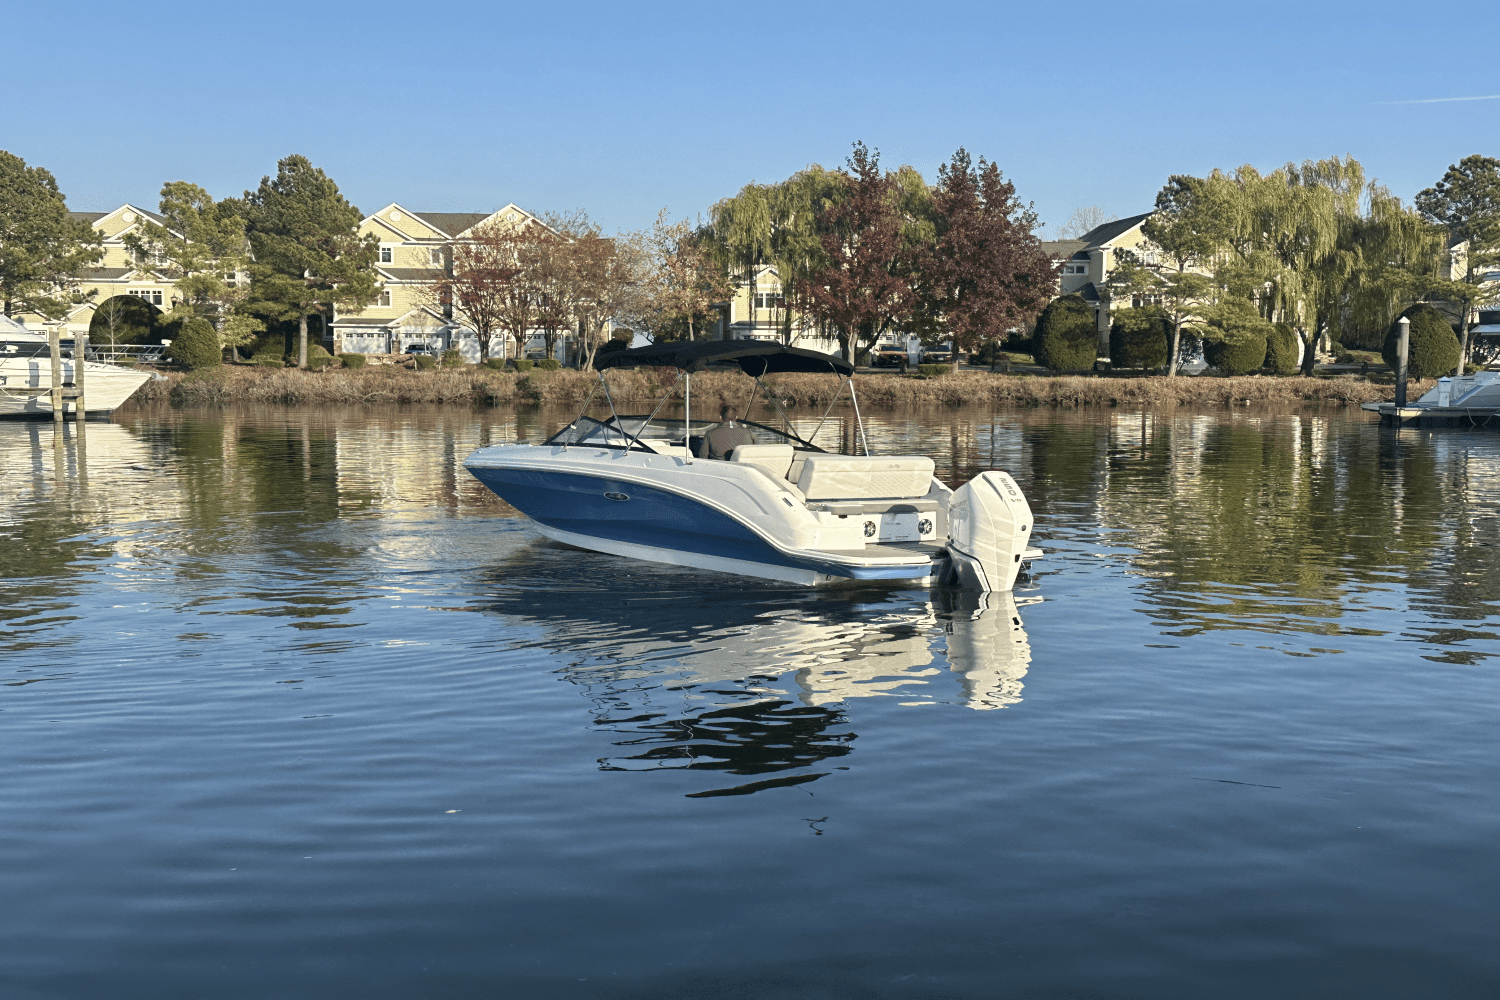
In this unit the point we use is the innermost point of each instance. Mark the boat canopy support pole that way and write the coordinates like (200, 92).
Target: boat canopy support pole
(687, 412)
(659, 404)
(858, 422)
(775, 399)
(824, 418)
(592, 393)
(613, 412)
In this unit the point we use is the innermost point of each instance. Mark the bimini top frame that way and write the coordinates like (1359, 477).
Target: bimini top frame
(755, 358)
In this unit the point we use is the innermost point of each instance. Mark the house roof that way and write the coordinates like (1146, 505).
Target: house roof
(1101, 235)
(372, 321)
(1061, 248)
(411, 273)
(1088, 292)
(104, 273)
(452, 223)
(89, 217)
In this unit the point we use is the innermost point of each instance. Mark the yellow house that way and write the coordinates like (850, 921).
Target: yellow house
(757, 310)
(416, 248)
(116, 273)
(1088, 260)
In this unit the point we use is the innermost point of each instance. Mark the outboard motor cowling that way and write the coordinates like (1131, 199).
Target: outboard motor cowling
(989, 525)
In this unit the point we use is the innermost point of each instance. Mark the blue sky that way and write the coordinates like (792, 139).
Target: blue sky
(623, 109)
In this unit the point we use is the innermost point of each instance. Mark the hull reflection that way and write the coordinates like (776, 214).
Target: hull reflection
(755, 682)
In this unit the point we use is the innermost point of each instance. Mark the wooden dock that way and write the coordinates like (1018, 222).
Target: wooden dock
(1455, 417)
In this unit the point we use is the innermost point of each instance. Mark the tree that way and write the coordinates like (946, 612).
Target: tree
(1083, 220)
(684, 280)
(308, 256)
(42, 246)
(1236, 337)
(863, 284)
(1066, 337)
(486, 266)
(610, 277)
(1467, 202)
(986, 271)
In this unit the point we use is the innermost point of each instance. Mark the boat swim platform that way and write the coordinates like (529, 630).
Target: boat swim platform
(1436, 417)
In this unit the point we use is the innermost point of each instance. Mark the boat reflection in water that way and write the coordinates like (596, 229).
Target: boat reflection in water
(762, 682)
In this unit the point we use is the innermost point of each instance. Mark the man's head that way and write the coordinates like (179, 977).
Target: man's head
(728, 413)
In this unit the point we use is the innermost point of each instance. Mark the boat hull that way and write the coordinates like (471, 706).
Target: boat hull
(622, 515)
(26, 388)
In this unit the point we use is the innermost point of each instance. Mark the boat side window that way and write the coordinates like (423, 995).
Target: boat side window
(598, 434)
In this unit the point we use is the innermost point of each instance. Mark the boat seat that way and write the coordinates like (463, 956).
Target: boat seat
(774, 458)
(848, 477)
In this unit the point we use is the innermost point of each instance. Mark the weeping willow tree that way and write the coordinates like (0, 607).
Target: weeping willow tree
(1321, 249)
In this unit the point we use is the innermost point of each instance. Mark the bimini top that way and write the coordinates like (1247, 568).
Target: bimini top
(754, 357)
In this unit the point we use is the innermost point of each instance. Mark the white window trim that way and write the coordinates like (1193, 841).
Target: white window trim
(384, 249)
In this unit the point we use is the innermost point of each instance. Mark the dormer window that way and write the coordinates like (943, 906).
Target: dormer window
(435, 256)
(387, 253)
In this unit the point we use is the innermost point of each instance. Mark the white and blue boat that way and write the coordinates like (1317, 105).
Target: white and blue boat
(779, 508)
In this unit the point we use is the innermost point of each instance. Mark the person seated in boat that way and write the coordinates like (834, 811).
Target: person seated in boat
(723, 438)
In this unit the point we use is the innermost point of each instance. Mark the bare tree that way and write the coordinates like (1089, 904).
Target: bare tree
(683, 281)
(486, 265)
(1082, 221)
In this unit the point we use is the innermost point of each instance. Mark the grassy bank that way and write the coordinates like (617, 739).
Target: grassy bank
(474, 385)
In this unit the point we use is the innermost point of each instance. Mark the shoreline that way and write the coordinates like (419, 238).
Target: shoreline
(473, 385)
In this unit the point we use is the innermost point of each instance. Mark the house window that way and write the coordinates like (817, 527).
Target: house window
(150, 295)
(387, 253)
(768, 300)
(435, 256)
(1076, 269)
(1139, 300)
(383, 300)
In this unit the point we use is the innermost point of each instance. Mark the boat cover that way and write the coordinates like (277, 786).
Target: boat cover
(754, 357)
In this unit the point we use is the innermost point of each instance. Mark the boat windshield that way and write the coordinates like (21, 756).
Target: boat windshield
(658, 435)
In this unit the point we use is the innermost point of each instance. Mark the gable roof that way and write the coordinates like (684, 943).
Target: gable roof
(89, 217)
(452, 223)
(1061, 248)
(1101, 235)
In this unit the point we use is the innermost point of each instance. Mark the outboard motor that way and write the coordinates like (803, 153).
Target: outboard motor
(989, 524)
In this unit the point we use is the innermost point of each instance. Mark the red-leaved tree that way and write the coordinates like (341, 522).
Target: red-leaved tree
(987, 272)
(863, 286)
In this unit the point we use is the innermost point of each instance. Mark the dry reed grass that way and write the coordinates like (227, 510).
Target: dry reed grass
(471, 385)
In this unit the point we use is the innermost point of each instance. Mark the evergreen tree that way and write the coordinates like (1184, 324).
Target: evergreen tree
(42, 246)
(195, 344)
(308, 256)
(1067, 337)
(1467, 203)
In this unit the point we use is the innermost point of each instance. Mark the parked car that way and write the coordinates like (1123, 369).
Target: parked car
(889, 356)
(421, 349)
(937, 356)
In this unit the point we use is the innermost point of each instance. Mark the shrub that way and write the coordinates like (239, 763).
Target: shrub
(496, 364)
(318, 357)
(990, 352)
(523, 364)
(352, 361)
(1139, 338)
(549, 364)
(452, 358)
(1283, 350)
(1235, 342)
(934, 371)
(195, 344)
(1433, 348)
(268, 361)
(425, 362)
(1067, 337)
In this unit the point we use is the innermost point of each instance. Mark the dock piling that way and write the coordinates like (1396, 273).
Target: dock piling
(80, 351)
(1403, 342)
(54, 341)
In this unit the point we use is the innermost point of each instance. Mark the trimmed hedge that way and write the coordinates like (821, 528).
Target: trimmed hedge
(934, 371)
(195, 344)
(452, 358)
(318, 357)
(1067, 335)
(1139, 338)
(523, 364)
(1236, 340)
(425, 362)
(549, 364)
(495, 364)
(268, 361)
(1282, 354)
(1433, 348)
(352, 361)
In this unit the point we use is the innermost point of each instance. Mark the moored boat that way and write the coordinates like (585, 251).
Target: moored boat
(26, 377)
(775, 506)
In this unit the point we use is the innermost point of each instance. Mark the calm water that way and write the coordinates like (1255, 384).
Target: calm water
(292, 707)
